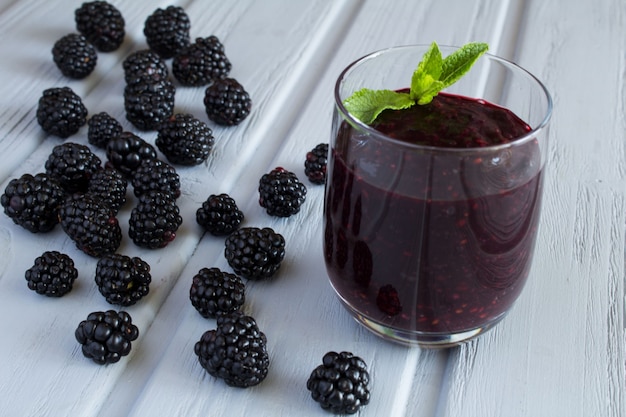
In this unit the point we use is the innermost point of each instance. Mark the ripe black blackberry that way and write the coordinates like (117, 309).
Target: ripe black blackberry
(315, 164)
(154, 174)
(32, 201)
(74, 56)
(61, 112)
(72, 164)
(102, 128)
(123, 280)
(91, 224)
(154, 220)
(185, 140)
(148, 105)
(281, 193)
(214, 292)
(106, 336)
(101, 23)
(226, 102)
(144, 66)
(126, 152)
(219, 215)
(201, 62)
(255, 253)
(341, 383)
(52, 274)
(109, 186)
(236, 351)
(167, 31)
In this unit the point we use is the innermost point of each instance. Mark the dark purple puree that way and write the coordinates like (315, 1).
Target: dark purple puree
(433, 241)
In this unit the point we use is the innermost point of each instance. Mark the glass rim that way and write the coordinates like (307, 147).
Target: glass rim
(533, 133)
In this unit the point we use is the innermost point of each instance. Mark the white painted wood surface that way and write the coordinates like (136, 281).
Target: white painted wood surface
(560, 352)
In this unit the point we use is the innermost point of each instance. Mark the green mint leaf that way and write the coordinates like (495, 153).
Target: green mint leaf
(459, 62)
(366, 104)
(427, 74)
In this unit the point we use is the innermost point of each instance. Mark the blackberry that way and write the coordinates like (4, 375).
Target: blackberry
(101, 23)
(236, 351)
(123, 280)
(281, 193)
(315, 164)
(214, 292)
(52, 274)
(185, 140)
(74, 56)
(167, 31)
(388, 300)
(33, 202)
(219, 215)
(126, 152)
(106, 336)
(148, 105)
(341, 383)
(61, 112)
(109, 186)
(144, 66)
(102, 128)
(226, 102)
(255, 253)
(201, 62)
(72, 164)
(90, 223)
(154, 220)
(154, 174)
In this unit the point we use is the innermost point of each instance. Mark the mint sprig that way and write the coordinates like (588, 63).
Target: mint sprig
(433, 74)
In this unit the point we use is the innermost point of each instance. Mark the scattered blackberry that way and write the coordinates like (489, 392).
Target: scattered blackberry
(185, 140)
(219, 215)
(72, 164)
(167, 31)
(74, 56)
(101, 23)
(126, 152)
(102, 128)
(214, 292)
(61, 112)
(33, 202)
(52, 274)
(109, 186)
(226, 102)
(388, 300)
(255, 253)
(154, 220)
(123, 280)
(315, 164)
(236, 351)
(154, 174)
(148, 105)
(106, 336)
(341, 383)
(144, 66)
(90, 223)
(201, 62)
(281, 193)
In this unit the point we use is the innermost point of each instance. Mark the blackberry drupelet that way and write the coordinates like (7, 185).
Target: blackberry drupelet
(126, 152)
(106, 336)
(61, 112)
(315, 164)
(101, 23)
(72, 164)
(32, 201)
(341, 383)
(236, 351)
(74, 56)
(214, 292)
(144, 66)
(148, 105)
(109, 185)
(154, 220)
(226, 102)
(52, 274)
(185, 140)
(123, 280)
(155, 175)
(167, 31)
(281, 193)
(219, 215)
(255, 253)
(91, 224)
(102, 128)
(201, 62)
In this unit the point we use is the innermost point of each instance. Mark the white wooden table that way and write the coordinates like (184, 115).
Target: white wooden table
(560, 352)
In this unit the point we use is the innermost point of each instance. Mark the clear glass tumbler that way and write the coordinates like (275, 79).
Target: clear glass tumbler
(428, 245)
